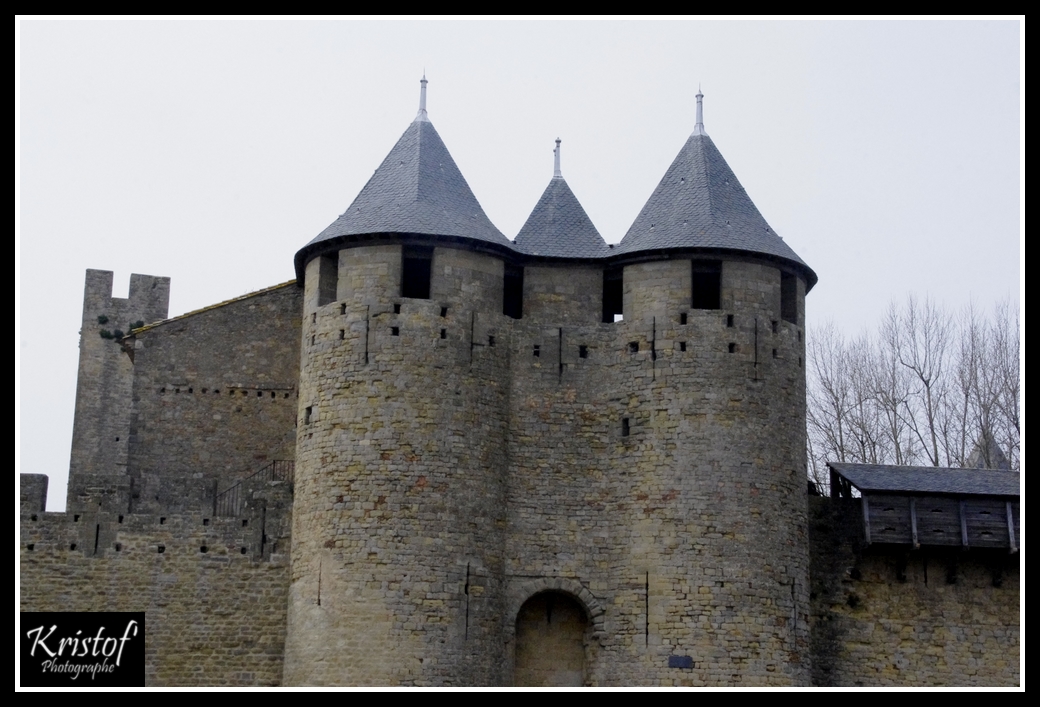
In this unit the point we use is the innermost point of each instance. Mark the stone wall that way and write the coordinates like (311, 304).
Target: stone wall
(101, 427)
(213, 590)
(396, 569)
(886, 615)
(450, 456)
(662, 475)
(214, 398)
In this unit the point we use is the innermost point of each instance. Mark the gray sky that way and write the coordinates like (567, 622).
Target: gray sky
(886, 153)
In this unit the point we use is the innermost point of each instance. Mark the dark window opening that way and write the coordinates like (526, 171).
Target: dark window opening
(444, 333)
(314, 317)
(72, 546)
(633, 347)
(537, 350)
(583, 351)
(789, 298)
(162, 549)
(120, 519)
(307, 415)
(732, 348)
(776, 327)
(162, 521)
(397, 309)
(613, 294)
(682, 345)
(343, 309)
(342, 334)
(328, 273)
(444, 311)
(205, 521)
(682, 318)
(243, 551)
(395, 331)
(706, 284)
(513, 292)
(491, 341)
(775, 354)
(729, 321)
(625, 429)
(203, 549)
(416, 264)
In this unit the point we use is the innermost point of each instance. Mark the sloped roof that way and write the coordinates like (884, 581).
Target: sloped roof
(418, 189)
(558, 227)
(701, 204)
(929, 479)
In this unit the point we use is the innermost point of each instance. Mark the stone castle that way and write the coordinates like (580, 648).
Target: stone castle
(441, 457)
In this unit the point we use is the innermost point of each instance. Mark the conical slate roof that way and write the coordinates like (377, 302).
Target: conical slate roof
(700, 204)
(418, 189)
(558, 227)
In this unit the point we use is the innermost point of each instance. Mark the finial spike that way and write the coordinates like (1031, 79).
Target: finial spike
(557, 174)
(421, 115)
(698, 129)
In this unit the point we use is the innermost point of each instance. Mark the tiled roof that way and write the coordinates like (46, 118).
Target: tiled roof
(929, 479)
(418, 189)
(559, 227)
(700, 204)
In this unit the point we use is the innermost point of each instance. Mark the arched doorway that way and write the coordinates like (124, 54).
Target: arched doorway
(550, 642)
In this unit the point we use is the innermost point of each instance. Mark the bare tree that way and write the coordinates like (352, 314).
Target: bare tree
(928, 389)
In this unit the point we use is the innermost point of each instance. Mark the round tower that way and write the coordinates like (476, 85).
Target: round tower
(713, 439)
(397, 519)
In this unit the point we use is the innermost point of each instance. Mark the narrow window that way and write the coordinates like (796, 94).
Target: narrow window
(788, 298)
(416, 262)
(775, 354)
(706, 284)
(624, 427)
(444, 311)
(776, 327)
(513, 292)
(328, 272)
(343, 309)
(732, 348)
(444, 333)
(537, 350)
(342, 334)
(633, 347)
(613, 294)
(729, 321)
(682, 345)
(397, 308)
(395, 331)
(307, 415)
(583, 351)
(682, 318)
(491, 341)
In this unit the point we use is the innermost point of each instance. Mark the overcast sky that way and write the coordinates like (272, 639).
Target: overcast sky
(887, 154)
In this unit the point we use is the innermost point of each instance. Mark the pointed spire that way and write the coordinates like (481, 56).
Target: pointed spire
(698, 129)
(421, 115)
(557, 174)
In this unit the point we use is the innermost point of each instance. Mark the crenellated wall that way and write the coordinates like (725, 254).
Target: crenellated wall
(213, 589)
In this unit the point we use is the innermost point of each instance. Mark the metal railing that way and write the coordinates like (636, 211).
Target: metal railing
(229, 501)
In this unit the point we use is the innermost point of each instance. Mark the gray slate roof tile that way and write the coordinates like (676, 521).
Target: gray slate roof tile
(700, 204)
(929, 479)
(559, 227)
(418, 189)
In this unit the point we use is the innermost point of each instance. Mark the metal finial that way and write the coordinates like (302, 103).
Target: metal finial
(421, 115)
(556, 161)
(698, 129)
